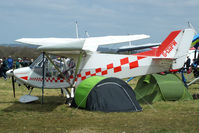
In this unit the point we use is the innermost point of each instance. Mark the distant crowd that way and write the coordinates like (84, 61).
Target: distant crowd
(9, 63)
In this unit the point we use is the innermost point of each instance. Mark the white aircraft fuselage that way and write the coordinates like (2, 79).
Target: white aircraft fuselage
(171, 54)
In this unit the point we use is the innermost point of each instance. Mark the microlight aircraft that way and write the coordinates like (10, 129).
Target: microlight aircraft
(65, 62)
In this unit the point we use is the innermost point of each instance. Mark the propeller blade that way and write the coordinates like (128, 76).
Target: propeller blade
(13, 85)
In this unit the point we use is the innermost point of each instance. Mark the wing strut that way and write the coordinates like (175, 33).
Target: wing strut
(43, 81)
(78, 65)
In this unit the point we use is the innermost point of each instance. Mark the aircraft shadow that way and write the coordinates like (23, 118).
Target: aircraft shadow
(50, 103)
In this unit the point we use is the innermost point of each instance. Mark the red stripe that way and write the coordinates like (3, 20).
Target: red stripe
(117, 69)
(133, 64)
(167, 41)
(25, 78)
(98, 70)
(173, 70)
(94, 74)
(110, 66)
(104, 72)
(140, 57)
(84, 77)
(88, 73)
(124, 61)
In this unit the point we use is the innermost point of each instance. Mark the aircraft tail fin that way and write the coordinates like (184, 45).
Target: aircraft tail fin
(169, 46)
(175, 46)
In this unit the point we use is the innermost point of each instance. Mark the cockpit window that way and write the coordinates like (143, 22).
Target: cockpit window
(65, 65)
(37, 62)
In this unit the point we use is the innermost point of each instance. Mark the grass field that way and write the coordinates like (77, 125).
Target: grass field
(56, 117)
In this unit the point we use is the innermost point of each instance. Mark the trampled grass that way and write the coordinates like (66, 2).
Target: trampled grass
(56, 117)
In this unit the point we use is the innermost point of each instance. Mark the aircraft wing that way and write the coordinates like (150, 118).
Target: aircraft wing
(45, 41)
(77, 44)
(91, 44)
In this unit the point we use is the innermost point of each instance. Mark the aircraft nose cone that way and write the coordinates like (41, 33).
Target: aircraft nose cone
(9, 73)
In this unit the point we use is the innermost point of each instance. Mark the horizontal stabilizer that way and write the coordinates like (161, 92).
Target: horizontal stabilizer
(137, 47)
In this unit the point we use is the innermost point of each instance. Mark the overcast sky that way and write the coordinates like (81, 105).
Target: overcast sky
(56, 18)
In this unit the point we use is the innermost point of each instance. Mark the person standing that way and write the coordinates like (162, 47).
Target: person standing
(17, 64)
(188, 63)
(4, 68)
(10, 62)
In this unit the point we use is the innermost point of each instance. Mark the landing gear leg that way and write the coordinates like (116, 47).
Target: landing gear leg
(72, 92)
(62, 93)
(68, 96)
(30, 90)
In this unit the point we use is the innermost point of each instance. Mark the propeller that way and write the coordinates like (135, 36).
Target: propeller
(10, 73)
(13, 85)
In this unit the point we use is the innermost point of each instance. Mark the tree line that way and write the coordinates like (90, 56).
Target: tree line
(18, 52)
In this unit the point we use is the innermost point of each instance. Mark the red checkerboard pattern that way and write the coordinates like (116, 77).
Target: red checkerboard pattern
(49, 79)
(98, 71)
(116, 69)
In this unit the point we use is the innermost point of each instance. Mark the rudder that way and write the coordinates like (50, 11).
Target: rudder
(183, 48)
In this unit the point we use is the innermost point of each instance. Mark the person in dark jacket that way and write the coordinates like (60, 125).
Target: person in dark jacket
(17, 64)
(4, 68)
(188, 63)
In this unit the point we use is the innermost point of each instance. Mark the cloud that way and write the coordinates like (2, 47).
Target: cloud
(104, 17)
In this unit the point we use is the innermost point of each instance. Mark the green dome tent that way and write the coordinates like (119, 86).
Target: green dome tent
(156, 87)
(106, 94)
(84, 88)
